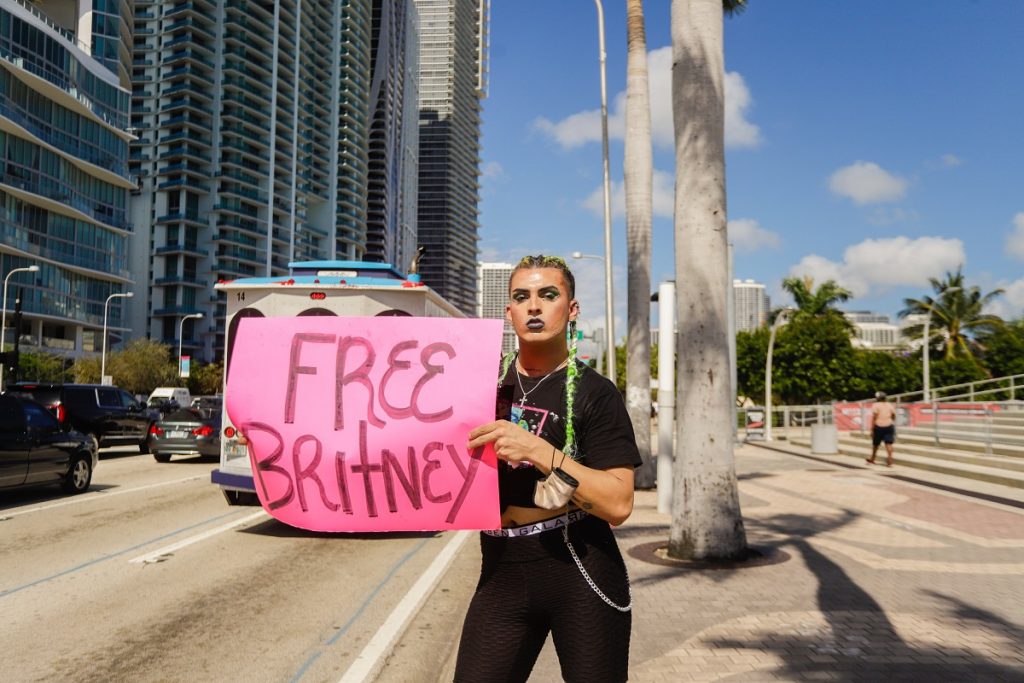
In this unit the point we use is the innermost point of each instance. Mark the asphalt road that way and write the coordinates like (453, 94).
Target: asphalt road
(151, 576)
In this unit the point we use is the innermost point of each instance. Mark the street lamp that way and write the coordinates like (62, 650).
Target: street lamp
(103, 354)
(181, 333)
(780, 319)
(927, 346)
(609, 331)
(610, 319)
(3, 316)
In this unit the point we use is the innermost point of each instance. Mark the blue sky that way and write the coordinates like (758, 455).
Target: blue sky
(873, 142)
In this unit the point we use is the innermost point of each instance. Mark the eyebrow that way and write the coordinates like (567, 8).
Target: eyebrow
(542, 290)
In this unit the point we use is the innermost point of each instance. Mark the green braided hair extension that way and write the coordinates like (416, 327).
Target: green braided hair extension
(571, 374)
(506, 362)
(572, 371)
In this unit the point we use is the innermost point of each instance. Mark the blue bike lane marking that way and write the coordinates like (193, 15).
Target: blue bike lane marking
(104, 558)
(359, 612)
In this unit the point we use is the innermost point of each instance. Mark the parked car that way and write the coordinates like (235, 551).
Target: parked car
(110, 415)
(35, 450)
(187, 431)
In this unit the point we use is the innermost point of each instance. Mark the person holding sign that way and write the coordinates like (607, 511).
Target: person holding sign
(566, 453)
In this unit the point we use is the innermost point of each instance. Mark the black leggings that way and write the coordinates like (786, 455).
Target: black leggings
(531, 586)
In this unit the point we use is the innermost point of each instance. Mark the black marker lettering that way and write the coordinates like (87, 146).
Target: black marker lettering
(431, 371)
(393, 365)
(309, 472)
(361, 375)
(267, 465)
(469, 474)
(430, 467)
(410, 483)
(294, 369)
(366, 469)
(346, 500)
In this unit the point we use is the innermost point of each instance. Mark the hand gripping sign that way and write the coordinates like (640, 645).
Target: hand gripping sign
(361, 424)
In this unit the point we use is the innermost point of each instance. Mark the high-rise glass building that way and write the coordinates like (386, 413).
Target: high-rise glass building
(492, 297)
(64, 177)
(256, 125)
(453, 69)
(394, 134)
(751, 304)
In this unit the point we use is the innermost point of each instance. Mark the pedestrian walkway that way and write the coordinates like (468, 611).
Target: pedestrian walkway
(864, 577)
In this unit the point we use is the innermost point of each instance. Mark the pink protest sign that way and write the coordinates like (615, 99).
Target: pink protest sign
(361, 424)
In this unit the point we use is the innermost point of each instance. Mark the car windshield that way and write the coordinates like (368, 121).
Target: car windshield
(184, 415)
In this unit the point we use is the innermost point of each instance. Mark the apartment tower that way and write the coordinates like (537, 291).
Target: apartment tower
(258, 122)
(492, 297)
(453, 69)
(394, 134)
(64, 183)
(751, 305)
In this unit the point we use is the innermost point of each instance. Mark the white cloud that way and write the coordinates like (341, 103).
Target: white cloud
(493, 170)
(1010, 305)
(746, 234)
(949, 160)
(866, 182)
(584, 127)
(663, 199)
(1015, 240)
(883, 263)
(739, 132)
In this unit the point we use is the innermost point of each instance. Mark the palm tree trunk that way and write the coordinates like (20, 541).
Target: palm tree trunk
(637, 176)
(706, 518)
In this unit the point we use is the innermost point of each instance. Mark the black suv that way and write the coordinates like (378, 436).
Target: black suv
(110, 415)
(34, 450)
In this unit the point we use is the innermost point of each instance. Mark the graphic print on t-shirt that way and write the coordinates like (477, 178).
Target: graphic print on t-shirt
(529, 418)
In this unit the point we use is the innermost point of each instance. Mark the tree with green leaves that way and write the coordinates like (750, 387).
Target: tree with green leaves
(40, 366)
(143, 365)
(811, 301)
(706, 518)
(1003, 349)
(206, 379)
(957, 315)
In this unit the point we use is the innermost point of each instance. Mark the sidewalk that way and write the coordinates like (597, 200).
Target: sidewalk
(874, 579)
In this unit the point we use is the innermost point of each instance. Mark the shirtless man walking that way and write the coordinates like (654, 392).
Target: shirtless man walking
(883, 427)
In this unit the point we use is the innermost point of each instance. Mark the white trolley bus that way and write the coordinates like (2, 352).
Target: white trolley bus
(338, 288)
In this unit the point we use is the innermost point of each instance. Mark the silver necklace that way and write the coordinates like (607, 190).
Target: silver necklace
(519, 379)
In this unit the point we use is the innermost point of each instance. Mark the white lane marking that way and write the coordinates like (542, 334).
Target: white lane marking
(160, 555)
(98, 494)
(367, 664)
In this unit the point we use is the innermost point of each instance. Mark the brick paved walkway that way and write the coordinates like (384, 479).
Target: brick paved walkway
(884, 581)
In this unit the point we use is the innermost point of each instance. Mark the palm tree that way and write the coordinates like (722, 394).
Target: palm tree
(637, 177)
(957, 315)
(815, 302)
(706, 518)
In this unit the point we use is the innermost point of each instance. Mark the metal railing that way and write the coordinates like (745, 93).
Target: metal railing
(996, 388)
(942, 421)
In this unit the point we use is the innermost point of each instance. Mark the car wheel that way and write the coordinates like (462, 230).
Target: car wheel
(144, 444)
(95, 440)
(162, 457)
(79, 475)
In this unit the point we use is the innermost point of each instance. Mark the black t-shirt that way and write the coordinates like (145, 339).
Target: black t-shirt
(603, 432)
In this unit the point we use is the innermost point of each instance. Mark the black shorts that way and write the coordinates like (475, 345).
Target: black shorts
(530, 587)
(880, 434)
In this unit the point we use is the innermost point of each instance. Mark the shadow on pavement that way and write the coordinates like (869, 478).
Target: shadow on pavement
(857, 641)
